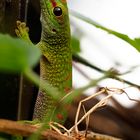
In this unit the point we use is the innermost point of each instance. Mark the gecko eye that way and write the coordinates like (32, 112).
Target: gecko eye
(57, 11)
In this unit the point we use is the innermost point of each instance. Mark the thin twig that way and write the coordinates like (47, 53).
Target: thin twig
(52, 124)
(80, 103)
(99, 104)
(109, 91)
(125, 81)
(81, 71)
(113, 74)
(87, 121)
(81, 60)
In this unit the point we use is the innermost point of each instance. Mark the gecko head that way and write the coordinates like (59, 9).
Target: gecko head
(54, 15)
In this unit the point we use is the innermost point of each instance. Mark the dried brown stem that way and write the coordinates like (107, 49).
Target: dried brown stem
(16, 128)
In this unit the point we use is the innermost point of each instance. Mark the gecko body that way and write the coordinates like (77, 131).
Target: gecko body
(55, 64)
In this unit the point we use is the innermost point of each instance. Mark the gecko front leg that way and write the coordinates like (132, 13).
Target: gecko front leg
(22, 31)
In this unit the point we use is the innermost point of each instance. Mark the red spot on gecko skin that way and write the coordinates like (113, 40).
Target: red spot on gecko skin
(67, 89)
(64, 1)
(60, 116)
(53, 3)
(68, 77)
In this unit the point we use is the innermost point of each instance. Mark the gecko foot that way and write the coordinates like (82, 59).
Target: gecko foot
(22, 30)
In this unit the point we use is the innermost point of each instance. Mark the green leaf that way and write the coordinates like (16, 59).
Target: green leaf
(16, 55)
(137, 41)
(133, 42)
(75, 43)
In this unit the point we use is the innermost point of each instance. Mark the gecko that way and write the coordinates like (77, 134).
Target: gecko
(56, 60)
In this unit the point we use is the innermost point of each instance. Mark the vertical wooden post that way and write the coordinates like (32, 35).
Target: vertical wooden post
(9, 13)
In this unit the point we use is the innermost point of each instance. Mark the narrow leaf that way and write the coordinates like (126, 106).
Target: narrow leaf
(134, 42)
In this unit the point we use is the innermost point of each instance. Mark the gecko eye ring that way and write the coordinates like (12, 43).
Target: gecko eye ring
(57, 11)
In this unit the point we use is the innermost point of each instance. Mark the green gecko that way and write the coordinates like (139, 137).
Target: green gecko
(56, 60)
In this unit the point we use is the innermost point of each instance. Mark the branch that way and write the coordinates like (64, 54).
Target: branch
(81, 60)
(111, 73)
(16, 128)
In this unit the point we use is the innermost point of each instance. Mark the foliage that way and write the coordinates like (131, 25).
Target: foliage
(17, 55)
(133, 42)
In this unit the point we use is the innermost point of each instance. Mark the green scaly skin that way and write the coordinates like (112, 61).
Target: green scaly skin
(56, 61)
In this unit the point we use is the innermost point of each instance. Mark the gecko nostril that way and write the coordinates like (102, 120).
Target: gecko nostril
(53, 30)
